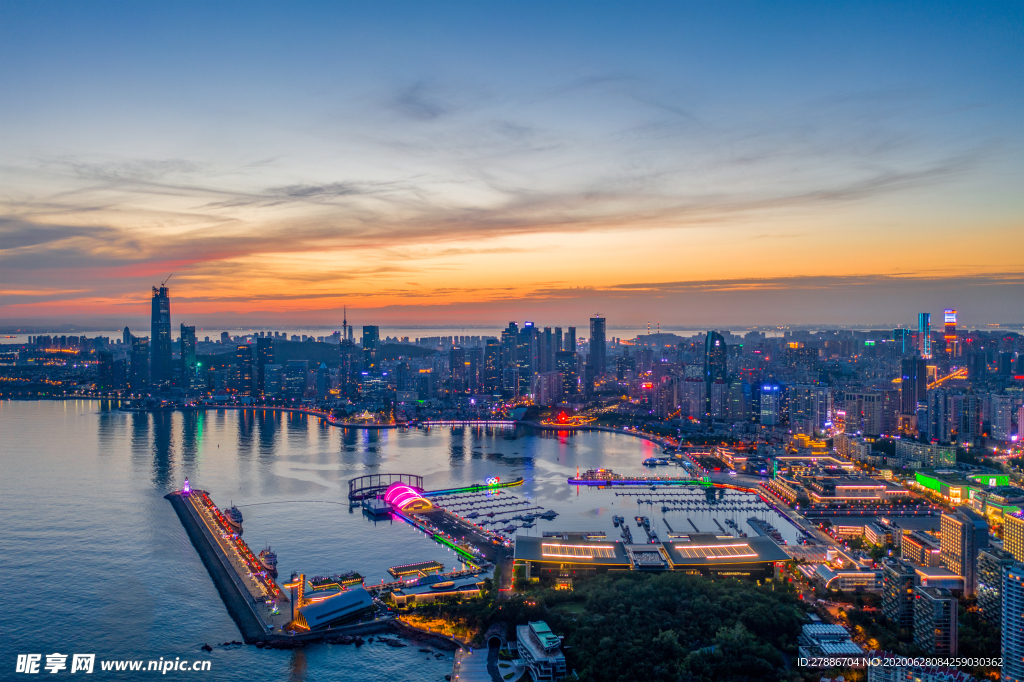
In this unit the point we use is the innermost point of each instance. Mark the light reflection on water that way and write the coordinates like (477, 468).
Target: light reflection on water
(102, 564)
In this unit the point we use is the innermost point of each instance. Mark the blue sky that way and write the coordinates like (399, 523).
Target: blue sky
(696, 162)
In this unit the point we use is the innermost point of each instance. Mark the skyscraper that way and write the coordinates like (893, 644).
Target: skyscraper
(492, 367)
(243, 374)
(264, 357)
(1013, 623)
(963, 533)
(566, 366)
(188, 349)
(898, 593)
(913, 384)
(160, 346)
(715, 368)
(140, 364)
(770, 404)
(992, 562)
(924, 338)
(570, 339)
(371, 347)
(597, 359)
(935, 621)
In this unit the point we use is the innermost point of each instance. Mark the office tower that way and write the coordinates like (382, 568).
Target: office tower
(1013, 623)
(225, 337)
(739, 401)
(715, 367)
(559, 340)
(526, 354)
(140, 364)
(264, 357)
(596, 360)
(570, 339)
(348, 366)
(188, 349)
(924, 338)
(913, 386)
(295, 379)
(547, 353)
(323, 382)
(898, 592)
(105, 379)
(950, 336)
(474, 369)
(160, 324)
(902, 338)
(243, 373)
(770, 404)
(992, 562)
(566, 364)
(1013, 534)
(126, 337)
(457, 367)
(371, 347)
(935, 626)
(963, 533)
(273, 379)
(491, 379)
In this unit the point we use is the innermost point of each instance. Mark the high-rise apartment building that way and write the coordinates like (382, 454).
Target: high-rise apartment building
(810, 408)
(963, 533)
(898, 592)
(491, 378)
(140, 358)
(992, 562)
(161, 368)
(1013, 623)
(566, 364)
(935, 621)
(570, 339)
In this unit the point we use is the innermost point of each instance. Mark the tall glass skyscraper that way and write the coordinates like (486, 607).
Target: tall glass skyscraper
(924, 334)
(715, 367)
(160, 345)
(598, 352)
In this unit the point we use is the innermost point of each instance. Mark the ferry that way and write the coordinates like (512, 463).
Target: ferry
(234, 517)
(269, 561)
(655, 461)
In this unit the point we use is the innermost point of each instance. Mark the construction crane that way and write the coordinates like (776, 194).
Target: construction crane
(164, 283)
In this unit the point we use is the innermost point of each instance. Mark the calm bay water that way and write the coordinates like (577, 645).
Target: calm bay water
(96, 561)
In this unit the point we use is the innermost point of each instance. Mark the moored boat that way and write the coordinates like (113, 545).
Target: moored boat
(269, 561)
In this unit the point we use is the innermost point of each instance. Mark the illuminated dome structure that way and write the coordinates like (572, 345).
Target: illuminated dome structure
(406, 498)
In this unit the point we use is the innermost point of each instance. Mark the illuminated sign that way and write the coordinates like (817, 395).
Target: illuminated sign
(493, 481)
(950, 316)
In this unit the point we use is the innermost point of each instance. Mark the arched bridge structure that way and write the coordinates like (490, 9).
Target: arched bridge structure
(367, 487)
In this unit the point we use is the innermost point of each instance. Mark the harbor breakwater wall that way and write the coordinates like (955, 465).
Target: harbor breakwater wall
(238, 606)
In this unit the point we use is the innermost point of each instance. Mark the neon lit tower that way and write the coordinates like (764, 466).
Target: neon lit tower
(924, 323)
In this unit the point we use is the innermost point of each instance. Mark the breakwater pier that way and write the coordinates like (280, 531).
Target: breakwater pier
(260, 608)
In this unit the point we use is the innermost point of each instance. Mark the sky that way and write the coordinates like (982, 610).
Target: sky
(477, 162)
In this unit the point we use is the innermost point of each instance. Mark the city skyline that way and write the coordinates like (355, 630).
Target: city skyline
(696, 165)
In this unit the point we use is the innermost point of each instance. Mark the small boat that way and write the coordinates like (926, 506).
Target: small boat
(549, 514)
(233, 517)
(528, 524)
(655, 461)
(509, 529)
(269, 561)
(472, 515)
